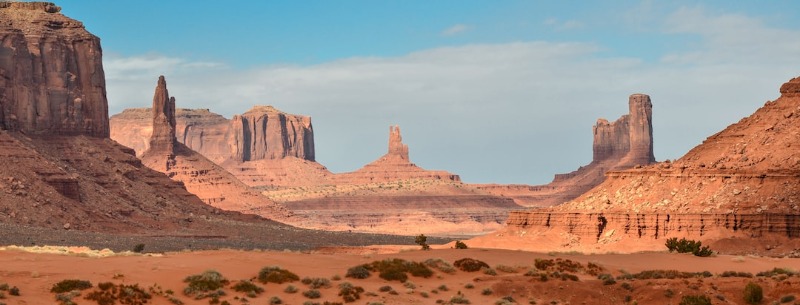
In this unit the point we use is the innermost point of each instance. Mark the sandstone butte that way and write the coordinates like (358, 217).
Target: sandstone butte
(59, 167)
(622, 144)
(262, 147)
(210, 182)
(738, 191)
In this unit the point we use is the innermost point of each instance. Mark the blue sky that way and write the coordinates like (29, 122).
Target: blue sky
(496, 91)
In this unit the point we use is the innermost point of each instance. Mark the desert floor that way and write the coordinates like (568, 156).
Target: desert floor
(35, 273)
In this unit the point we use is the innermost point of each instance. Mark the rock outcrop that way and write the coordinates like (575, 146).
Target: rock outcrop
(263, 132)
(743, 182)
(202, 177)
(624, 143)
(393, 166)
(51, 73)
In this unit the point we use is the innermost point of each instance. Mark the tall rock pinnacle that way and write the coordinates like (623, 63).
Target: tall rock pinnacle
(396, 146)
(163, 138)
(630, 137)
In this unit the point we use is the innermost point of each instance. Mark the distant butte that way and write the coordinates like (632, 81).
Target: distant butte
(622, 144)
(209, 181)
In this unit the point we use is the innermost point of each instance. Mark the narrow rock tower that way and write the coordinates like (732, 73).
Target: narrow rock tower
(396, 146)
(163, 138)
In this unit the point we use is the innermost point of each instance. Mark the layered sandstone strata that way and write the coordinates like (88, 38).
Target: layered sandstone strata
(624, 143)
(202, 177)
(51, 73)
(743, 182)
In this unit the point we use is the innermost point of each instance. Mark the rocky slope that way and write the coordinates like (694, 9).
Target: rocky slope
(51, 73)
(743, 182)
(622, 144)
(210, 182)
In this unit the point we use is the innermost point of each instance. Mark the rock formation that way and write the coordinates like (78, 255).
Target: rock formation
(201, 176)
(393, 166)
(51, 73)
(263, 132)
(743, 182)
(624, 143)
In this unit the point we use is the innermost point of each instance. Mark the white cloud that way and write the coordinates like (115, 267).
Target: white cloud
(520, 111)
(456, 29)
(563, 25)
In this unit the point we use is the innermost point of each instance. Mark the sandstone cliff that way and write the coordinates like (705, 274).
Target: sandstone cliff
(51, 73)
(263, 132)
(624, 143)
(210, 182)
(742, 183)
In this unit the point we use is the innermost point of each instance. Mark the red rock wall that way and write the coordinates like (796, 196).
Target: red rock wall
(266, 133)
(51, 73)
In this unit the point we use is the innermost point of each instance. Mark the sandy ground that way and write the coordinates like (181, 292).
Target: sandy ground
(35, 273)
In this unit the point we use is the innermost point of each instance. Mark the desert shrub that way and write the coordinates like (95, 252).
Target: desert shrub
(461, 245)
(564, 276)
(275, 300)
(139, 248)
(688, 246)
(275, 274)
(65, 298)
(489, 271)
(336, 277)
(70, 285)
(396, 269)
(247, 287)
(357, 272)
(443, 287)
(290, 289)
(663, 274)
(776, 271)
(627, 286)
(470, 265)
(753, 294)
(206, 284)
(109, 293)
(459, 299)
(469, 286)
(312, 294)
(422, 240)
(506, 269)
(695, 300)
(424, 294)
(543, 264)
(441, 265)
(13, 291)
(506, 300)
(350, 293)
(787, 298)
(385, 288)
(736, 274)
(4, 287)
(607, 279)
(487, 291)
(409, 285)
(316, 283)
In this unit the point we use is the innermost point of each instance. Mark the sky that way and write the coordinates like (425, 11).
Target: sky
(495, 91)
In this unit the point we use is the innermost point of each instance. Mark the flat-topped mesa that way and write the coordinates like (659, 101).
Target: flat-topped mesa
(263, 132)
(163, 137)
(51, 73)
(396, 146)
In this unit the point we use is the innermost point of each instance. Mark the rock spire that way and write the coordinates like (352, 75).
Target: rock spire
(396, 146)
(163, 137)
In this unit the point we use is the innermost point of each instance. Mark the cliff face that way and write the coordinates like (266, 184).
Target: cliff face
(624, 143)
(743, 182)
(210, 182)
(51, 73)
(262, 133)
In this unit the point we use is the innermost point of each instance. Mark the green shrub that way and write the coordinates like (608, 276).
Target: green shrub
(385, 288)
(247, 287)
(199, 285)
(470, 265)
(487, 291)
(736, 274)
(422, 240)
(70, 285)
(506, 300)
(290, 289)
(312, 294)
(489, 271)
(461, 245)
(396, 269)
(357, 272)
(753, 294)
(274, 274)
(787, 298)
(688, 246)
(695, 300)
(443, 287)
(607, 279)
(469, 286)
(459, 299)
(275, 300)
